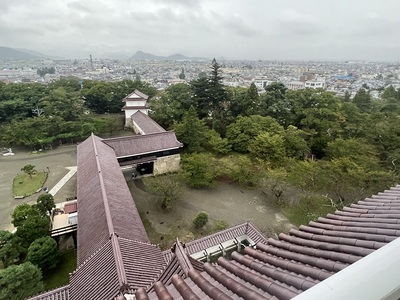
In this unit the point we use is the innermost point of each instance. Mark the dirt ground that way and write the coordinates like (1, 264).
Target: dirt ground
(226, 202)
(10, 166)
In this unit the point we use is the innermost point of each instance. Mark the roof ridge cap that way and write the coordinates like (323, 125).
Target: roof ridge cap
(111, 230)
(140, 242)
(55, 290)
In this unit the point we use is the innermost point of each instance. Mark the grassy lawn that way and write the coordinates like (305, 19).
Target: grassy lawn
(24, 185)
(60, 275)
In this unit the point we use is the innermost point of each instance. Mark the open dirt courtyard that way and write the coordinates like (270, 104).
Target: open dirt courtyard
(226, 202)
(57, 160)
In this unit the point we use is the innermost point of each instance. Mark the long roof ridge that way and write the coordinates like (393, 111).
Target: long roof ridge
(136, 241)
(113, 235)
(182, 257)
(137, 136)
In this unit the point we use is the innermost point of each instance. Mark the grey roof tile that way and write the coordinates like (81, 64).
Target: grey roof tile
(143, 144)
(146, 123)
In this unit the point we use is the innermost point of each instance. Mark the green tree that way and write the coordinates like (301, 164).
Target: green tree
(245, 129)
(355, 121)
(9, 248)
(295, 143)
(20, 282)
(357, 150)
(34, 227)
(172, 104)
(200, 220)
(199, 170)
(99, 97)
(21, 213)
(390, 93)
(268, 147)
(30, 223)
(165, 189)
(244, 102)
(216, 143)
(216, 89)
(29, 169)
(236, 104)
(275, 103)
(363, 100)
(245, 172)
(201, 97)
(45, 203)
(59, 102)
(192, 131)
(43, 252)
(251, 101)
(306, 175)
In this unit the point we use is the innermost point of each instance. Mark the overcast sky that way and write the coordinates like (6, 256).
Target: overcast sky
(234, 29)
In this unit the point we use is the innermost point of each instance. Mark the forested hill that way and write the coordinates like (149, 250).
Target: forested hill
(9, 53)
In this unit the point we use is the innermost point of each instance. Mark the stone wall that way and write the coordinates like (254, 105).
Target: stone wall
(128, 123)
(167, 164)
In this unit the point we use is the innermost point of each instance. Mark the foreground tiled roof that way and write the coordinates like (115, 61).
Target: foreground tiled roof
(114, 253)
(143, 144)
(147, 124)
(282, 269)
(105, 203)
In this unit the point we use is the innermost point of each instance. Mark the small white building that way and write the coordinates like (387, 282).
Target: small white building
(295, 85)
(134, 102)
(318, 83)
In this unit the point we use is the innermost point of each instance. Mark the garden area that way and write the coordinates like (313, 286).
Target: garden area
(29, 182)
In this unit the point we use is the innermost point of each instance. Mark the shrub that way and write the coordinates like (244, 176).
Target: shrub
(201, 219)
(43, 252)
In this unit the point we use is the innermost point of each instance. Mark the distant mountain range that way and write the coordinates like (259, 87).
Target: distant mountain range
(27, 54)
(23, 54)
(140, 55)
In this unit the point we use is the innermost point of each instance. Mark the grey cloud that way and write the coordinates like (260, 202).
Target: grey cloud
(255, 29)
(237, 25)
(79, 7)
(295, 22)
(183, 3)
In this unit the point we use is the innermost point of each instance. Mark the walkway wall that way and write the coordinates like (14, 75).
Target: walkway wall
(167, 164)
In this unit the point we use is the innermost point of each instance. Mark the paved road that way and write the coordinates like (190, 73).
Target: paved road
(57, 160)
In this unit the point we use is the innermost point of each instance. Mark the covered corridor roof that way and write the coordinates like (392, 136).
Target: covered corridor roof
(143, 144)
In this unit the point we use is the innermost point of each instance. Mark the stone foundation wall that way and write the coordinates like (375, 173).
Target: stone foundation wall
(167, 164)
(128, 123)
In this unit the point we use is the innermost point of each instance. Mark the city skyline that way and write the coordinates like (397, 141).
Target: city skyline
(267, 30)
